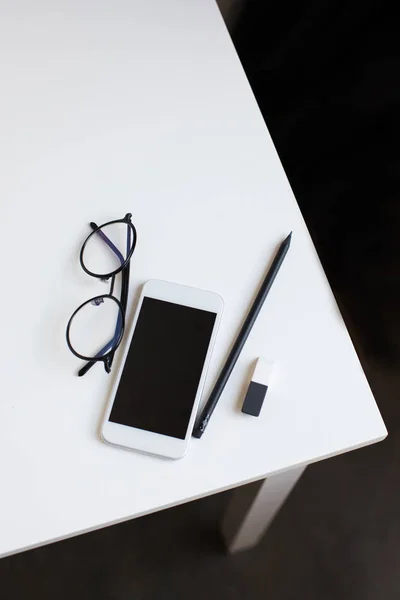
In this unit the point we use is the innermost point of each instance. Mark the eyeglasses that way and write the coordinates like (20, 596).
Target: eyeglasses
(96, 328)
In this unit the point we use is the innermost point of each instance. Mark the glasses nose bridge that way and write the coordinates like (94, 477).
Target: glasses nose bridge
(112, 285)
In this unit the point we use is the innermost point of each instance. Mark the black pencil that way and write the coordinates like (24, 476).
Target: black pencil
(240, 341)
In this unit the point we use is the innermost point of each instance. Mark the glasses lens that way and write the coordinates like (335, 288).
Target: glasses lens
(107, 248)
(96, 327)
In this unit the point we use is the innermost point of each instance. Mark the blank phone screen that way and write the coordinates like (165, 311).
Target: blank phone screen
(163, 367)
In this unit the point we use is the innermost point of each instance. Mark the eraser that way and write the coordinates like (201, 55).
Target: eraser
(258, 387)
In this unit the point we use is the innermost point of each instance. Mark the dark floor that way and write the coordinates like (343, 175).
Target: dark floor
(338, 536)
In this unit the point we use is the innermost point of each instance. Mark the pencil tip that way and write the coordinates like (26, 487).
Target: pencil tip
(289, 237)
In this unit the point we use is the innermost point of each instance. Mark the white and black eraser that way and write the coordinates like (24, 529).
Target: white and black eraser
(258, 387)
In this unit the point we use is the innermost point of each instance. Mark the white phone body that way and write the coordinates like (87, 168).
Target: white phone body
(139, 438)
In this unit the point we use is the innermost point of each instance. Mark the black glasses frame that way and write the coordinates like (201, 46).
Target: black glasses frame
(106, 354)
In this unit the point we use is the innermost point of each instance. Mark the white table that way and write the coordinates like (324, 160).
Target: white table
(142, 106)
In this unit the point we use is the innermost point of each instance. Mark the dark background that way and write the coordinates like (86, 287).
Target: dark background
(326, 76)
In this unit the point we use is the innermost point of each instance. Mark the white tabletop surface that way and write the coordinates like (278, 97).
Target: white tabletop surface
(142, 106)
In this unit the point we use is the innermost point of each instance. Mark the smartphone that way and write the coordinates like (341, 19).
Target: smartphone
(156, 394)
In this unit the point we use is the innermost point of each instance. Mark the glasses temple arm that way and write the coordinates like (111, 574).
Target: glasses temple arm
(105, 349)
(107, 240)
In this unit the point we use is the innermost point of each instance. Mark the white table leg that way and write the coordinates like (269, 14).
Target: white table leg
(253, 507)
